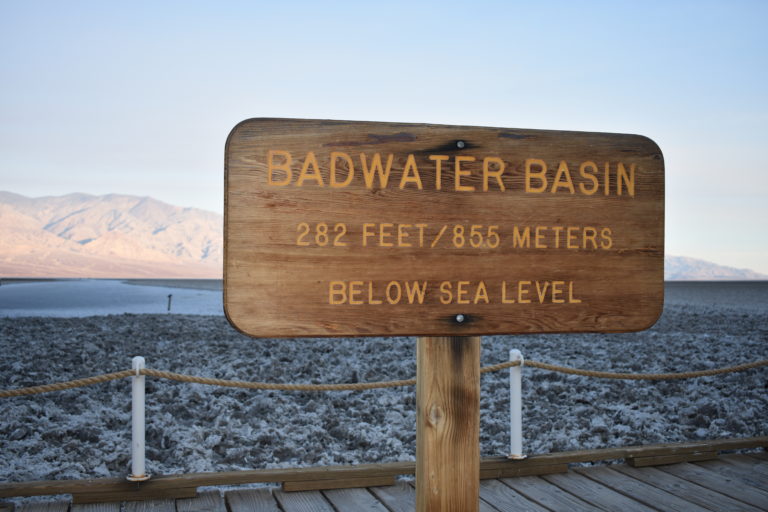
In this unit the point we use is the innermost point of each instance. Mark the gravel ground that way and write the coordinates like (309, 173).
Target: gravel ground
(86, 432)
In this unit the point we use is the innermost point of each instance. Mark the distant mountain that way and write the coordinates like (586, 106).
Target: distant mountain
(80, 235)
(680, 268)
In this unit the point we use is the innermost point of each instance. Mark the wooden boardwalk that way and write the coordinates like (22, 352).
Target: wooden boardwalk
(729, 483)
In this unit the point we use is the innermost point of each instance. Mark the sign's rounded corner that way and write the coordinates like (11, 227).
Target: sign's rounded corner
(246, 122)
(653, 318)
(232, 322)
(653, 147)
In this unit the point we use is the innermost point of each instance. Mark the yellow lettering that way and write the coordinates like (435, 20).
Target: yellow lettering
(607, 176)
(589, 233)
(355, 289)
(285, 166)
(376, 169)
(556, 292)
(538, 238)
(542, 292)
(557, 230)
(337, 292)
(504, 299)
(410, 168)
(462, 292)
(402, 234)
(590, 176)
(421, 233)
(563, 172)
(394, 285)
(628, 179)
(572, 235)
(459, 172)
(416, 291)
(487, 173)
(446, 296)
(607, 240)
(371, 300)
(350, 169)
(439, 159)
(522, 290)
(571, 299)
(521, 239)
(311, 161)
(481, 294)
(366, 232)
(384, 234)
(541, 175)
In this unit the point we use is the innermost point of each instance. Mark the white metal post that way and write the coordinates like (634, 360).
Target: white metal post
(138, 469)
(516, 405)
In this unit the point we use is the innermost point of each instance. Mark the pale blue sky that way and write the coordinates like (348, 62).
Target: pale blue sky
(138, 97)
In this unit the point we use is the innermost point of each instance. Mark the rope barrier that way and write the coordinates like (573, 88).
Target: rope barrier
(359, 386)
(60, 386)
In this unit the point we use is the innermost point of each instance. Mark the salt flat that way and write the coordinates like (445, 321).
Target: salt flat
(86, 432)
(90, 297)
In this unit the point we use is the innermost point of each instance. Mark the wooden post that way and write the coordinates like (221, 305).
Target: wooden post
(448, 424)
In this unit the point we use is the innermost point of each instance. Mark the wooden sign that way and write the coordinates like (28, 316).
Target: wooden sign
(336, 228)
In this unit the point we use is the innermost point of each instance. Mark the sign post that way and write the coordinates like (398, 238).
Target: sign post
(338, 228)
(448, 423)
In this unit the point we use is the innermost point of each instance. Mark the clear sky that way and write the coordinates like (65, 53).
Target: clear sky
(138, 97)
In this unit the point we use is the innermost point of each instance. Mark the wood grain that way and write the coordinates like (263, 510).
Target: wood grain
(251, 500)
(684, 489)
(659, 460)
(640, 491)
(548, 495)
(720, 482)
(448, 424)
(400, 497)
(209, 501)
(168, 505)
(280, 269)
(595, 493)
(354, 499)
(305, 501)
(502, 497)
(346, 483)
(96, 507)
(56, 506)
(184, 485)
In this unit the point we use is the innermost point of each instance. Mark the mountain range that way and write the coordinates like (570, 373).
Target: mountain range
(80, 235)
(121, 236)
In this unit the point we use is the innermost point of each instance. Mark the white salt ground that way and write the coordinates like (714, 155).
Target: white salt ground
(86, 432)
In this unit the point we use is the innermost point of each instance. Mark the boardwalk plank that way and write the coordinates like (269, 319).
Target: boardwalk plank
(747, 475)
(548, 495)
(353, 500)
(745, 462)
(208, 501)
(506, 499)
(168, 505)
(400, 497)
(251, 500)
(484, 506)
(96, 507)
(690, 491)
(723, 484)
(52, 506)
(596, 493)
(302, 501)
(640, 491)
